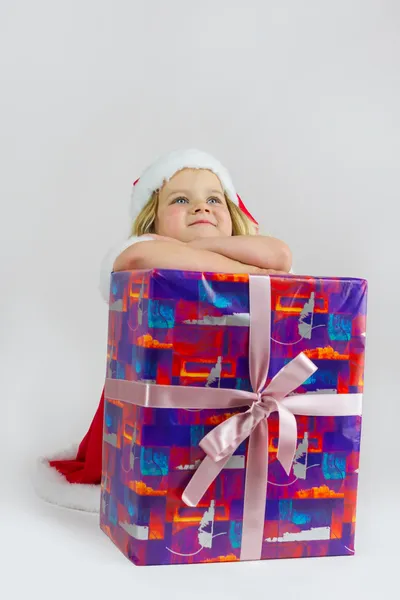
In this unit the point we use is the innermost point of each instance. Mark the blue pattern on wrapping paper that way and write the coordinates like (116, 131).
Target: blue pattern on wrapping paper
(227, 296)
(334, 465)
(154, 461)
(339, 327)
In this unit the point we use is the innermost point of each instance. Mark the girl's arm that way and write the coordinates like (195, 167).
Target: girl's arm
(161, 254)
(262, 251)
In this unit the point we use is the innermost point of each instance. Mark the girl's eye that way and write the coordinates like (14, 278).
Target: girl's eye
(180, 200)
(214, 200)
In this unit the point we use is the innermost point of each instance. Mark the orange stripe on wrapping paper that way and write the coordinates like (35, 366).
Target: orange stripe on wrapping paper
(227, 558)
(315, 439)
(134, 295)
(126, 433)
(234, 277)
(147, 341)
(327, 353)
(208, 365)
(196, 513)
(143, 490)
(139, 283)
(129, 433)
(297, 304)
(322, 491)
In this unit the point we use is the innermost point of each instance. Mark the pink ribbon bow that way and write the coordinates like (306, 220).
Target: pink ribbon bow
(220, 444)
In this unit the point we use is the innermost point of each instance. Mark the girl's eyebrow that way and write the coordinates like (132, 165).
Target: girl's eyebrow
(186, 192)
(180, 191)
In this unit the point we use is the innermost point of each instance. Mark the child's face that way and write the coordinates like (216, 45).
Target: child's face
(192, 205)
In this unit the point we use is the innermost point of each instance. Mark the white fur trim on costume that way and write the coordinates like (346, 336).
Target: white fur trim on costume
(166, 166)
(108, 262)
(52, 487)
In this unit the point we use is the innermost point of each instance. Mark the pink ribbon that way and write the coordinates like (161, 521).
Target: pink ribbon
(221, 442)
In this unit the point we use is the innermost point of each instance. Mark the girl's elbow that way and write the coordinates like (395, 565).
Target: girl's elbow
(130, 259)
(286, 258)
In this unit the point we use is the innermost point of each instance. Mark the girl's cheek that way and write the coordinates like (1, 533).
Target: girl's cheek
(173, 211)
(173, 214)
(224, 214)
(169, 221)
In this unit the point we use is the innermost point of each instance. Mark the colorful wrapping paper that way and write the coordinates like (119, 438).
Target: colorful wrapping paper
(192, 329)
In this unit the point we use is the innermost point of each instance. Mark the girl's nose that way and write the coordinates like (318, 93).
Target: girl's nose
(201, 207)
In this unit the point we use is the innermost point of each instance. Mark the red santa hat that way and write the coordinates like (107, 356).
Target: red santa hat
(72, 478)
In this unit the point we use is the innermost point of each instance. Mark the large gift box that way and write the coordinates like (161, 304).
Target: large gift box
(232, 416)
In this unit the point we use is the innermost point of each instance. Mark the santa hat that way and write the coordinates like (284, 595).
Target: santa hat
(72, 478)
(161, 171)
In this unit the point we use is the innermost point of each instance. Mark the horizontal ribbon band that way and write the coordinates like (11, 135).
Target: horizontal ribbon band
(152, 395)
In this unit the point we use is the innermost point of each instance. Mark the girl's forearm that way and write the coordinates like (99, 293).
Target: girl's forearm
(169, 255)
(262, 251)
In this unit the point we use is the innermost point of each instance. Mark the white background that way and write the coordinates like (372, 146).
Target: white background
(300, 100)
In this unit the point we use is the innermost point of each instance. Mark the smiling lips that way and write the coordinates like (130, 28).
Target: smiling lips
(202, 222)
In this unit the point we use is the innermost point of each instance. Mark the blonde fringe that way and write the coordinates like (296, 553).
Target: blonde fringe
(145, 221)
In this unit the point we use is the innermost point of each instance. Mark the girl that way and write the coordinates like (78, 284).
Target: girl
(187, 211)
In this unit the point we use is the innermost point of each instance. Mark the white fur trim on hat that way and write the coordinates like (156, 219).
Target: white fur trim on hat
(52, 487)
(165, 167)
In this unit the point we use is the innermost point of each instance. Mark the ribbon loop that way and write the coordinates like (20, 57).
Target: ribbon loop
(221, 442)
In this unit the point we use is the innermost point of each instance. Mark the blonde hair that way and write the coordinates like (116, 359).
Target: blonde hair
(145, 221)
